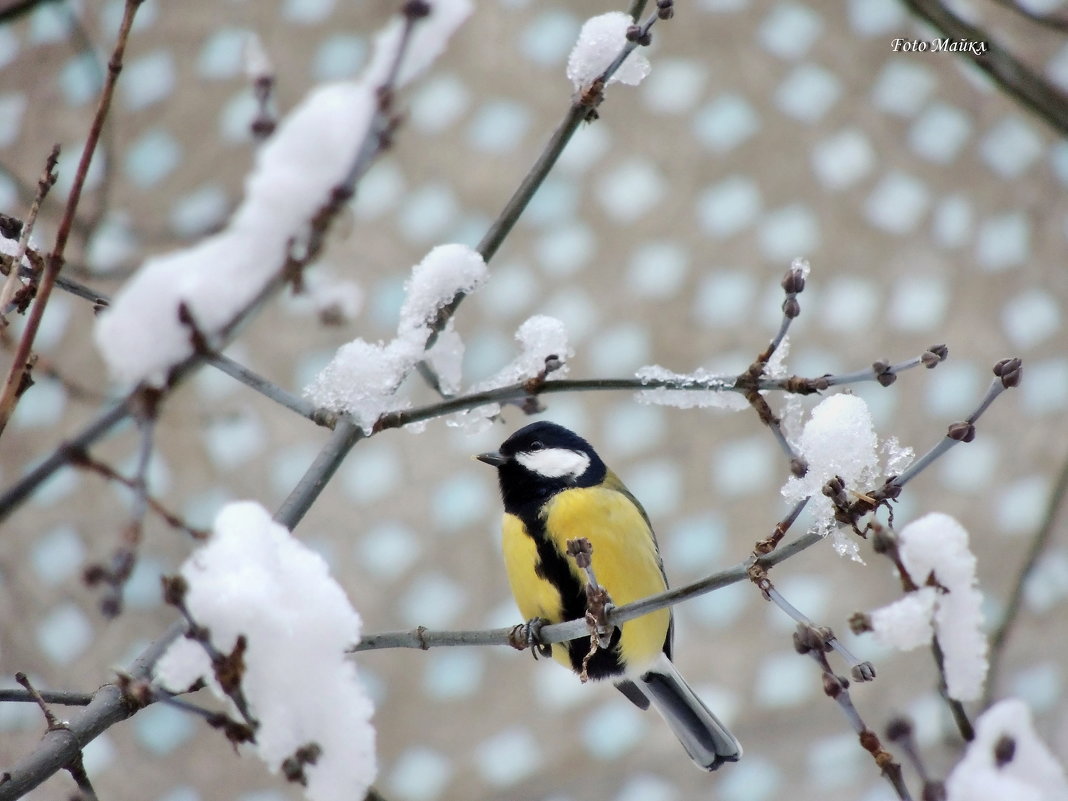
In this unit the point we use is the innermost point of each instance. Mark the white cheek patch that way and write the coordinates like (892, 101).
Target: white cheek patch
(555, 462)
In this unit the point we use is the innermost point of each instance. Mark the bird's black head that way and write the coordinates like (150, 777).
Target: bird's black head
(541, 459)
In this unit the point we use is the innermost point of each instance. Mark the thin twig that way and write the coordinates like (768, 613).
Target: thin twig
(54, 263)
(999, 639)
(13, 284)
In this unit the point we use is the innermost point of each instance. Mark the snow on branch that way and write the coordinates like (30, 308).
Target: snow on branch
(253, 580)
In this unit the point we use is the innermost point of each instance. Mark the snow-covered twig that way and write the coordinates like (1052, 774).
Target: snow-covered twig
(13, 286)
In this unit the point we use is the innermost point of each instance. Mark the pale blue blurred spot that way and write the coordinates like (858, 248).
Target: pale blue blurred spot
(836, 761)
(427, 212)
(555, 203)
(883, 405)
(142, 590)
(80, 79)
(789, 232)
(508, 757)
(841, 160)
(940, 132)
(432, 600)
(9, 192)
(897, 203)
(9, 45)
(64, 634)
(850, 304)
(560, 689)
(952, 223)
(461, 500)
(725, 123)
(372, 471)
(58, 555)
(754, 778)
(745, 466)
(264, 795)
(234, 438)
(953, 389)
(289, 464)
(968, 470)
(549, 37)
(376, 686)
(388, 549)
(657, 484)
(199, 211)
(112, 245)
(789, 30)
(182, 793)
(629, 428)
(54, 489)
(152, 157)
(1030, 318)
(70, 154)
(876, 17)
(1040, 686)
(99, 754)
(928, 716)
(453, 673)
(903, 87)
(1004, 242)
(918, 302)
(51, 23)
(468, 229)
(339, 56)
(148, 79)
(488, 350)
(784, 679)
(1047, 584)
(810, 360)
(569, 411)
(563, 250)
(585, 149)
(41, 406)
(498, 126)
(511, 289)
(236, 117)
(646, 787)
(695, 544)
(728, 207)
(439, 103)
(1058, 157)
(199, 510)
(807, 592)
(576, 310)
(620, 349)
(419, 774)
(21, 716)
(1057, 68)
(1046, 389)
(808, 93)
(658, 269)
(613, 729)
(308, 12)
(674, 86)
(379, 190)
(721, 608)
(630, 189)
(387, 297)
(223, 54)
(1011, 147)
(725, 298)
(1021, 505)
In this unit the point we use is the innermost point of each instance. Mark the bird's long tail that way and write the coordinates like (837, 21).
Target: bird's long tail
(705, 739)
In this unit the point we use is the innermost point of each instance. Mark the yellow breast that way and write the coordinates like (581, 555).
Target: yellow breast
(625, 562)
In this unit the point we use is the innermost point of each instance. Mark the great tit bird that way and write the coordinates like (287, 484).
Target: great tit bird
(556, 488)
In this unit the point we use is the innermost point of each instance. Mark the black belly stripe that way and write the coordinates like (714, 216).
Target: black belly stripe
(555, 568)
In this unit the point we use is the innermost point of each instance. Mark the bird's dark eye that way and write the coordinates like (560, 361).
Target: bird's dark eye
(537, 446)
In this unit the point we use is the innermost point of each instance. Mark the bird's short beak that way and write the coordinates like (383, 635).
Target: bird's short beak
(493, 458)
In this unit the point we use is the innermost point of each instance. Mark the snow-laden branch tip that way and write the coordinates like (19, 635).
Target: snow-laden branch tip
(364, 379)
(937, 545)
(310, 154)
(1007, 761)
(839, 440)
(600, 41)
(253, 579)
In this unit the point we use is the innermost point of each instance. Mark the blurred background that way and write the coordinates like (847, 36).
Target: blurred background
(931, 207)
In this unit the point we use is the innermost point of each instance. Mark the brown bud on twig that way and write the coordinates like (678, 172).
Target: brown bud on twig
(883, 373)
(633, 33)
(1010, 371)
(832, 685)
(898, 729)
(883, 539)
(791, 308)
(1004, 750)
(860, 622)
(174, 590)
(416, 9)
(793, 282)
(961, 432)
